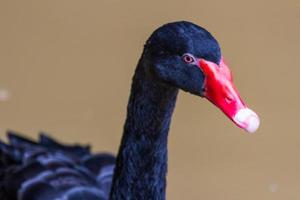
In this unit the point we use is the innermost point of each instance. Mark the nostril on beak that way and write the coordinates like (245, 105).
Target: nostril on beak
(228, 99)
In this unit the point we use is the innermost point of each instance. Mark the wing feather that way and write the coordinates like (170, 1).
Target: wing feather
(47, 170)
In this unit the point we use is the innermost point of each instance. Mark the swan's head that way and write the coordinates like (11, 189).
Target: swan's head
(188, 57)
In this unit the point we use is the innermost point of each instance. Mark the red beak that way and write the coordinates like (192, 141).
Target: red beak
(219, 89)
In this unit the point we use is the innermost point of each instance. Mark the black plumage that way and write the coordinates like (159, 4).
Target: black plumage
(49, 170)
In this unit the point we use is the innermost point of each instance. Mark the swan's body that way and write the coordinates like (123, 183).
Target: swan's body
(47, 170)
(178, 55)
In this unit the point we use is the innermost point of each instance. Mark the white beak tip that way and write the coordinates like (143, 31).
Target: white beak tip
(247, 120)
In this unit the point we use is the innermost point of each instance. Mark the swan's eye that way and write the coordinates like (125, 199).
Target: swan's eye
(188, 58)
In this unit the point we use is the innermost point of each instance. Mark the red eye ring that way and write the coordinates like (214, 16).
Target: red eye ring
(188, 58)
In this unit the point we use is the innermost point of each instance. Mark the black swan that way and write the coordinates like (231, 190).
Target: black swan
(178, 55)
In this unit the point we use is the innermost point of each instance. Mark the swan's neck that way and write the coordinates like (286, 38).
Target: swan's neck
(141, 165)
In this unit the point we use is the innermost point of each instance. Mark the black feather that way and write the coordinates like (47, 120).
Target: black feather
(47, 170)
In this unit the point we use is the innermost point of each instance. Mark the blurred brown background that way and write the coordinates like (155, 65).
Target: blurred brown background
(66, 68)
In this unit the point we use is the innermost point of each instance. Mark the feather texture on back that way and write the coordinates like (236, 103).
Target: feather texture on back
(47, 170)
